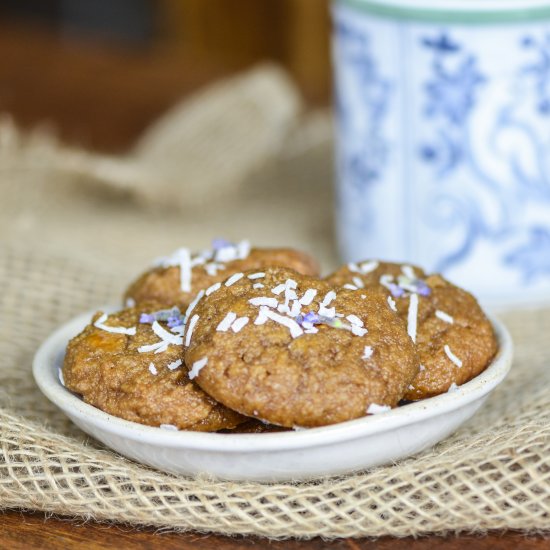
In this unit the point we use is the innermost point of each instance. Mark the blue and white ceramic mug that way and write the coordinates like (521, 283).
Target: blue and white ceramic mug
(443, 111)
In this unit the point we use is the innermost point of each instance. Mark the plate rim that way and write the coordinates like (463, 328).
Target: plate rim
(49, 384)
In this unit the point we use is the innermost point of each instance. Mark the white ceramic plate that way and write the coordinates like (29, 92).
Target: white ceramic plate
(279, 456)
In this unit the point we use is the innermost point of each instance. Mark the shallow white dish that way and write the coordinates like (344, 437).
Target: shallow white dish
(279, 456)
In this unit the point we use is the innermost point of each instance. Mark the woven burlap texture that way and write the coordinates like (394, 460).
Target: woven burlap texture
(67, 247)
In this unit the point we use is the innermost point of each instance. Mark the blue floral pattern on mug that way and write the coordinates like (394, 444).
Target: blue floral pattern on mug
(444, 148)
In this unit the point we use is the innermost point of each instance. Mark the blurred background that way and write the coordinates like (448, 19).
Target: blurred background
(102, 70)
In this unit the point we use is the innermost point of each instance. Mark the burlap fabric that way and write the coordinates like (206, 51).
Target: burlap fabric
(70, 243)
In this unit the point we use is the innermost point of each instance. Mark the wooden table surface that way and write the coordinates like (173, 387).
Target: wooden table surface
(103, 98)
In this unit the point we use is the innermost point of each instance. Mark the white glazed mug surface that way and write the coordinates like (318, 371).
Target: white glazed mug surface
(444, 140)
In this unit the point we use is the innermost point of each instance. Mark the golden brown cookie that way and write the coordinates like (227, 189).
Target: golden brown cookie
(178, 278)
(454, 338)
(134, 370)
(295, 352)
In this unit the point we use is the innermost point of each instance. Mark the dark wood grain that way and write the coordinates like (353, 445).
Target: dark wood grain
(21, 531)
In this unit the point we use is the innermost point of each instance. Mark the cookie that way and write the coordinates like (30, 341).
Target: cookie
(130, 364)
(455, 340)
(295, 352)
(178, 278)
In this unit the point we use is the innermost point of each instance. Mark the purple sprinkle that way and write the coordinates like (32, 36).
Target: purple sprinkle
(146, 318)
(218, 244)
(175, 321)
(423, 289)
(396, 290)
(311, 317)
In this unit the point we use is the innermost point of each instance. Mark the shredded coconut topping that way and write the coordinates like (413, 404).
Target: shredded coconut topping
(412, 317)
(354, 320)
(190, 329)
(452, 388)
(176, 364)
(234, 278)
(258, 275)
(358, 282)
(153, 369)
(391, 301)
(350, 287)
(193, 304)
(239, 323)
(60, 374)
(213, 288)
(169, 427)
(197, 366)
(226, 322)
(368, 267)
(444, 317)
(408, 271)
(295, 329)
(367, 352)
(166, 336)
(257, 285)
(308, 296)
(452, 356)
(100, 323)
(263, 301)
(329, 296)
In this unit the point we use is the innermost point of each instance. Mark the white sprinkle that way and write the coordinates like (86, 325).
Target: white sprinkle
(233, 279)
(444, 317)
(412, 317)
(60, 374)
(264, 301)
(367, 353)
(452, 356)
(326, 312)
(176, 364)
(243, 250)
(386, 280)
(227, 321)
(329, 296)
(197, 366)
(391, 301)
(354, 320)
(165, 336)
(422, 368)
(373, 408)
(358, 331)
(295, 309)
(190, 329)
(212, 288)
(278, 289)
(239, 324)
(258, 285)
(258, 275)
(358, 282)
(408, 271)
(368, 267)
(295, 328)
(193, 304)
(262, 317)
(350, 287)
(157, 347)
(130, 302)
(153, 369)
(308, 296)
(100, 323)
(212, 268)
(169, 427)
(452, 388)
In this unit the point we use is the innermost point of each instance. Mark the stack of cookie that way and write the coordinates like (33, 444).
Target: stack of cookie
(251, 340)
